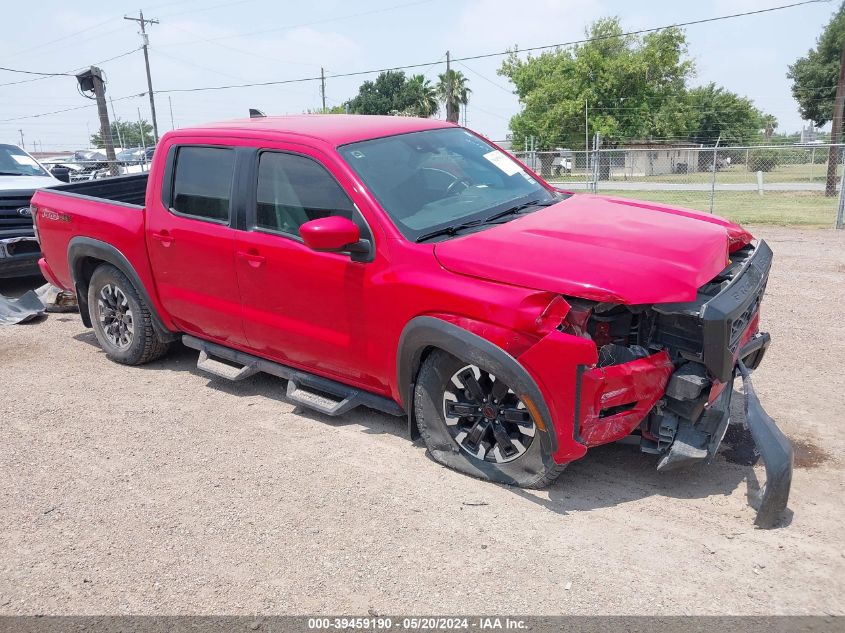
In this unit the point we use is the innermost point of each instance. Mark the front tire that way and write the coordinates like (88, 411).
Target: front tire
(473, 422)
(121, 320)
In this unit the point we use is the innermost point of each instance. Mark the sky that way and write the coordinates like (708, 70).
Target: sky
(201, 43)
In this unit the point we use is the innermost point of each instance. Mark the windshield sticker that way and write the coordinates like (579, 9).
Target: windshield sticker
(23, 159)
(504, 163)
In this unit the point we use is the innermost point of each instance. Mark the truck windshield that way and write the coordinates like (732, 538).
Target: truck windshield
(16, 162)
(437, 179)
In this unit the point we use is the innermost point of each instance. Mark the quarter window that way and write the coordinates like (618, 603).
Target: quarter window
(293, 190)
(202, 183)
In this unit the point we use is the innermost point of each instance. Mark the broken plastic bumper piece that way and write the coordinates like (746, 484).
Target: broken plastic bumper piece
(776, 452)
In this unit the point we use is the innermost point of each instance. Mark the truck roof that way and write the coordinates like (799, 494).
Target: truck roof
(336, 129)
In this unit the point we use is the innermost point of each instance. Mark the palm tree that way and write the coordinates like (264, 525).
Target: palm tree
(770, 124)
(453, 91)
(422, 96)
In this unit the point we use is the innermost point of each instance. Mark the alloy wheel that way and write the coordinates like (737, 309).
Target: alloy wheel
(115, 316)
(485, 417)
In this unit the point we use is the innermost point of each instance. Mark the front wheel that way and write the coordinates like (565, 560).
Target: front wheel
(121, 320)
(472, 421)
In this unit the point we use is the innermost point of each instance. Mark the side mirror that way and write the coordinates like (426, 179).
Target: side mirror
(61, 173)
(332, 234)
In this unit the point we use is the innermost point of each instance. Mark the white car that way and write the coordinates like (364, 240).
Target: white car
(20, 176)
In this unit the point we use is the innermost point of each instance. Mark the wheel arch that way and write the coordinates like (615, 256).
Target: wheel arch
(423, 334)
(85, 255)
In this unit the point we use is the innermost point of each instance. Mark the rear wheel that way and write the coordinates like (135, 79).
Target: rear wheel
(473, 421)
(121, 320)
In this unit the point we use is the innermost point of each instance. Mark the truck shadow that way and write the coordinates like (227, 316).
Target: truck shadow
(609, 475)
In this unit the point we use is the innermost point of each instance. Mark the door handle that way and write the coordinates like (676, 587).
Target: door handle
(164, 237)
(252, 258)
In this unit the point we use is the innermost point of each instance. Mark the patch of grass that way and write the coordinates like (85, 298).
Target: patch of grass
(784, 208)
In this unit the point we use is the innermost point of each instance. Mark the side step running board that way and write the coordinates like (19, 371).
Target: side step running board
(229, 372)
(307, 390)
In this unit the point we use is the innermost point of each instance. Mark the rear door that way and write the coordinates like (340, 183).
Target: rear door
(190, 240)
(303, 307)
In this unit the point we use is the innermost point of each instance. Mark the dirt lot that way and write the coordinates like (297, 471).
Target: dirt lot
(158, 490)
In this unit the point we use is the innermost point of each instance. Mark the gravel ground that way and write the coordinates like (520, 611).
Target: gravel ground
(157, 490)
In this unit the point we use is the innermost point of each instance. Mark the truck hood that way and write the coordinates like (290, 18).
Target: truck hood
(600, 248)
(17, 183)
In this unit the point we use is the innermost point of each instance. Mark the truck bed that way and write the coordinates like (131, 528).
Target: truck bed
(108, 212)
(128, 190)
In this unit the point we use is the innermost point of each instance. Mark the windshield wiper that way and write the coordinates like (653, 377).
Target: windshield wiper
(449, 230)
(13, 173)
(452, 230)
(519, 208)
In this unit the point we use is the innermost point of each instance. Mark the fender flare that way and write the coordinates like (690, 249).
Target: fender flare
(425, 332)
(81, 247)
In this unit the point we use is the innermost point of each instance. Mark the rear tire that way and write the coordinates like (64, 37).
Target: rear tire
(121, 320)
(511, 449)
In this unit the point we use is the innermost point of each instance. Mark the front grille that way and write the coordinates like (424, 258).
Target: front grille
(12, 224)
(726, 316)
(740, 323)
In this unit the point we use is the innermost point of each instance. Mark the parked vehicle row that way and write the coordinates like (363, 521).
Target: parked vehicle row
(93, 164)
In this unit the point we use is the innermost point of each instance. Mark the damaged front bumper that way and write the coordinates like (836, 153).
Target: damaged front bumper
(690, 445)
(667, 372)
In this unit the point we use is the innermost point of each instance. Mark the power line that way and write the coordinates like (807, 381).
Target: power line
(71, 72)
(32, 72)
(487, 79)
(644, 31)
(430, 63)
(300, 25)
(79, 107)
(496, 54)
(42, 45)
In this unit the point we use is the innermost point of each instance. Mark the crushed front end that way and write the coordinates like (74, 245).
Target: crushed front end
(665, 372)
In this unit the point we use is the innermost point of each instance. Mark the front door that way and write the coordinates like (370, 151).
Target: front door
(191, 244)
(302, 307)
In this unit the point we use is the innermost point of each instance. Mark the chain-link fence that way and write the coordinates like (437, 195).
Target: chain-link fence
(775, 184)
(88, 165)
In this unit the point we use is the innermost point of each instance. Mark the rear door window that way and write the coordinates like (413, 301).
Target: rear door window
(202, 182)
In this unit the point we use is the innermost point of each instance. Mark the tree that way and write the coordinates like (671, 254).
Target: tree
(422, 97)
(716, 113)
(382, 96)
(814, 76)
(770, 124)
(392, 93)
(814, 85)
(126, 134)
(453, 91)
(634, 88)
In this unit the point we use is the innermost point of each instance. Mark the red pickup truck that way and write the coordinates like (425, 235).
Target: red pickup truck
(411, 266)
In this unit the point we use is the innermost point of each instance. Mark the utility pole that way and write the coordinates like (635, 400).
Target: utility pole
(713, 178)
(141, 129)
(140, 20)
(102, 111)
(586, 135)
(449, 104)
(116, 123)
(323, 87)
(22, 147)
(170, 102)
(836, 130)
